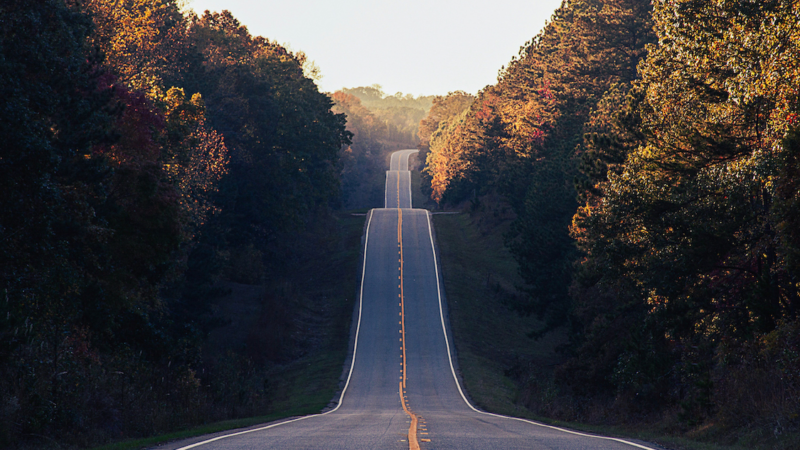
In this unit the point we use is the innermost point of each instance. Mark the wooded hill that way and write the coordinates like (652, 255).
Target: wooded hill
(401, 112)
(650, 154)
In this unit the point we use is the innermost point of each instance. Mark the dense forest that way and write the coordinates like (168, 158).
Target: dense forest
(648, 153)
(148, 157)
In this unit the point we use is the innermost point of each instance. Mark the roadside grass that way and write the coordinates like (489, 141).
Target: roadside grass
(480, 277)
(323, 292)
(418, 199)
(194, 432)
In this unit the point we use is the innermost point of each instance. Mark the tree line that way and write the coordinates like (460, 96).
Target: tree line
(402, 113)
(649, 153)
(147, 155)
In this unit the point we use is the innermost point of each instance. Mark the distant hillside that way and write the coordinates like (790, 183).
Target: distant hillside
(373, 97)
(400, 112)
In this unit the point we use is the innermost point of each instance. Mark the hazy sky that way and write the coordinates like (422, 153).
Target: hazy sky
(420, 47)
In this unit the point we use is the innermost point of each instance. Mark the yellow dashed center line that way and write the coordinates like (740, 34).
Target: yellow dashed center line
(402, 299)
(413, 444)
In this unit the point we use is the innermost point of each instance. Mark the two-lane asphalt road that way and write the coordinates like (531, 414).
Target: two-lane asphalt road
(402, 391)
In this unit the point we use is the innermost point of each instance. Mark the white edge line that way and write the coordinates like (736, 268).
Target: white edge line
(410, 202)
(349, 375)
(455, 378)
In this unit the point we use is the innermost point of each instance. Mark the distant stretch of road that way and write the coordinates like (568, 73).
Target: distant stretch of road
(398, 181)
(402, 392)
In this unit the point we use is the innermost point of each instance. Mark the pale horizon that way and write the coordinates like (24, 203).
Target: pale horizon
(414, 47)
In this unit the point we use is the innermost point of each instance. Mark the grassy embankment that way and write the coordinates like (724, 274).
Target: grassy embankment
(323, 296)
(490, 338)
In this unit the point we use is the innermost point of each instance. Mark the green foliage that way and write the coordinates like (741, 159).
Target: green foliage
(89, 227)
(684, 221)
(674, 125)
(280, 130)
(522, 137)
(124, 202)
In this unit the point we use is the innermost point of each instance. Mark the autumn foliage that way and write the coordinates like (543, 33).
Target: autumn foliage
(146, 155)
(649, 151)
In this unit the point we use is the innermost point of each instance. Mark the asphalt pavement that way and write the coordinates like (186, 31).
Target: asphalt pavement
(402, 391)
